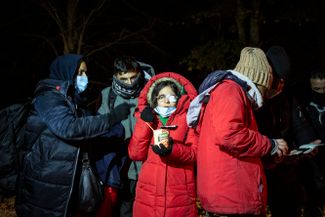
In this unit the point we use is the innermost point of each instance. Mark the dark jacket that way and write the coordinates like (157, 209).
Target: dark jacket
(308, 126)
(54, 135)
(308, 120)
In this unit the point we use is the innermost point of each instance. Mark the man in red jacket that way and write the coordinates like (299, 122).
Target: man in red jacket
(230, 174)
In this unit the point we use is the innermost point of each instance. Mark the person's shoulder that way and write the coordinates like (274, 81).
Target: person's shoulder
(121, 99)
(230, 84)
(106, 89)
(227, 88)
(105, 92)
(133, 100)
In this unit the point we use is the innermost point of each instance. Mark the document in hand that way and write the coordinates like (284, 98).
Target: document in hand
(305, 149)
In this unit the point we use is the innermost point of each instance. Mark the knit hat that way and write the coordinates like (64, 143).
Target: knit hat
(254, 65)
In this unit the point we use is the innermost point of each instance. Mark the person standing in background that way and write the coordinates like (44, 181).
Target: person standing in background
(308, 124)
(129, 78)
(285, 193)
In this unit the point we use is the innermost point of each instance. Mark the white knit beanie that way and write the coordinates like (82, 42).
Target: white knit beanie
(254, 65)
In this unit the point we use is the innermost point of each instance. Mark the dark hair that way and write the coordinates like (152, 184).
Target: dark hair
(126, 64)
(82, 59)
(318, 73)
(160, 86)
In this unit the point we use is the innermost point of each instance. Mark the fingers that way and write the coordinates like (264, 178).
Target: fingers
(317, 141)
(283, 148)
(312, 152)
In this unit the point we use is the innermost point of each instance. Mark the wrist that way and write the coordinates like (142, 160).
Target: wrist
(274, 147)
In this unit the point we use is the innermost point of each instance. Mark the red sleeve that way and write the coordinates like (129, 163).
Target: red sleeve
(233, 122)
(140, 141)
(185, 152)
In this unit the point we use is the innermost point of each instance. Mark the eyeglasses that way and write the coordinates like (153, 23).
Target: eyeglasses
(163, 97)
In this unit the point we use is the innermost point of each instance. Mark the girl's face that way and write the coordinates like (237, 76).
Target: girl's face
(166, 97)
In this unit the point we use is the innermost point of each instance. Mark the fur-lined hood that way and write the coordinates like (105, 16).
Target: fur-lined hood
(185, 86)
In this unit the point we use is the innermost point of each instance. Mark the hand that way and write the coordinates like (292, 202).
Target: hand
(279, 150)
(282, 147)
(315, 150)
(147, 114)
(317, 141)
(310, 150)
(120, 112)
(163, 149)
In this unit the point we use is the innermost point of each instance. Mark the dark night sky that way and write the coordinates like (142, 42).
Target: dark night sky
(25, 58)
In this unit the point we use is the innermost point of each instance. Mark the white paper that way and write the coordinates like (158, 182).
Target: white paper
(305, 149)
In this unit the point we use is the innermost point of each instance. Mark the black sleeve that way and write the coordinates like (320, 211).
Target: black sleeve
(302, 127)
(60, 118)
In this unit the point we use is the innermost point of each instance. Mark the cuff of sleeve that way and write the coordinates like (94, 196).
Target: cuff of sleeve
(275, 146)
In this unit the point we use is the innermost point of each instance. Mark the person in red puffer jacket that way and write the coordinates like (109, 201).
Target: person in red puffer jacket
(166, 185)
(230, 170)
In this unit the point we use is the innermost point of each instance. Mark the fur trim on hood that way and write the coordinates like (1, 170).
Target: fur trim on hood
(158, 81)
(186, 87)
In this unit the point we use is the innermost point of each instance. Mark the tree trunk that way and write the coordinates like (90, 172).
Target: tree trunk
(240, 21)
(254, 23)
(247, 20)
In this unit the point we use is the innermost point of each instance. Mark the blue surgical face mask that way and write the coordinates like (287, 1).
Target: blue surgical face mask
(165, 111)
(81, 83)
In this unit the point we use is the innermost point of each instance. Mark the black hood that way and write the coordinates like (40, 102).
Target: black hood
(62, 72)
(64, 67)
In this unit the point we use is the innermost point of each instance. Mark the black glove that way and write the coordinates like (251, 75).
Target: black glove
(120, 112)
(162, 150)
(147, 114)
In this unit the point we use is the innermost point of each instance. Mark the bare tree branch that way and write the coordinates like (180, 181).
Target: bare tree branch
(122, 36)
(98, 7)
(158, 49)
(72, 29)
(44, 38)
(49, 6)
(71, 25)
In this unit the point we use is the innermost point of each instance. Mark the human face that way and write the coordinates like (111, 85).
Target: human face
(82, 69)
(166, 97)
(128, 77)
(317, 85)
(276, 88)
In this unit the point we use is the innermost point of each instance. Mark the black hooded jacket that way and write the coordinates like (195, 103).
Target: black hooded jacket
(54, 135)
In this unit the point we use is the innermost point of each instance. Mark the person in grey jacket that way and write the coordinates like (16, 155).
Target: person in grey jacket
(129, 78)
(56, 134)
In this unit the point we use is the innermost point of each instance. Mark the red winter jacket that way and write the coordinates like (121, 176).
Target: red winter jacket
(166, 185)
(230, 178)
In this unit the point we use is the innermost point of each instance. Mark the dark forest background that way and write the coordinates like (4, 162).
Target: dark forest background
(189, 37)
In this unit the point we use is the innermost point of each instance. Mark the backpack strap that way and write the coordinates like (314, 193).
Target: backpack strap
(111, 99)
